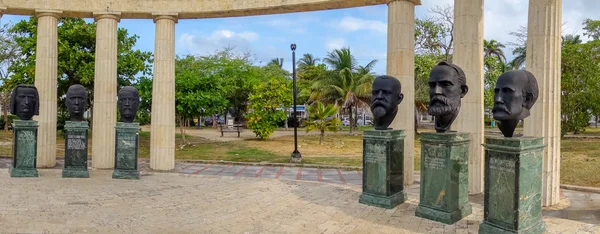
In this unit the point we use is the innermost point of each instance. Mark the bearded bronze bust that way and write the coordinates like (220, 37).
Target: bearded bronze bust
(386, 96)
(515, 93)
(447, 85)
(128, 101)
(76, 102)
(25, 101)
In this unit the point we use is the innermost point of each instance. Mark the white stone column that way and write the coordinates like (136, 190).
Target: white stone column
(162, 133)
(400, 64)
(46, 76)
(543, 60)
(105, 90)
(468, 55)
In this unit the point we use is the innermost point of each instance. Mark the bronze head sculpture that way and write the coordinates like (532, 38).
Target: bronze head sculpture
(515, 93)
(386, 96)
(128, 101)
(76, 102)
(25, 101)
(447, 85)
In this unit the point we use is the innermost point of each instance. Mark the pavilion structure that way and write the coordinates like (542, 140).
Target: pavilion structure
(543, 60)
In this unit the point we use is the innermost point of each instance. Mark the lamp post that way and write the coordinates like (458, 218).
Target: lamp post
(296, 156)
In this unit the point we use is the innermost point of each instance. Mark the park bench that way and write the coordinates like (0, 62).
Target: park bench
(235, 128)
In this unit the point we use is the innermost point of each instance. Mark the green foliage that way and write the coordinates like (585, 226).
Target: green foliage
(580, 82)
(592, 28)
(423, 65)
(305, 77)
(493, 69)
(266, 102)
(144, 86)
(321, 118)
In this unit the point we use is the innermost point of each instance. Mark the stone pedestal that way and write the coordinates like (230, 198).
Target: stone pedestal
(76, 149)
(383, 168)
(444, 177)
(24, 148)
(513, 185)
(126, 151)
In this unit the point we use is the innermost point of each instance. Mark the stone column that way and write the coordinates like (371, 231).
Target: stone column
(400, 64)
(105, 90)
(46, 76)
(543, 60)
(468, 54)
(162, 135)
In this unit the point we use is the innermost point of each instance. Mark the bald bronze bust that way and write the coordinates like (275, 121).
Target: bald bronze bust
(76, 102)
(447, 85)
(386, 96)
(128, 101)
(515, 93)
(25, 101)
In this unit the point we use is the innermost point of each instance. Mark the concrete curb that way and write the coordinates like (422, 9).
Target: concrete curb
(580, 188)
(322, 166)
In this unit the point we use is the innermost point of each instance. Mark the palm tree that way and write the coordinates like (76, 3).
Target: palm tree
(307, 60)
(494, 48)
(346, 89)
(277, 62)
(519, 60)
(321, 118)
(339, 59)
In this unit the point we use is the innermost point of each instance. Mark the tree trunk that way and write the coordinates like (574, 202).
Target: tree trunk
(596, 120)
(182, 129)
(322, 136)
(286, 124)
(351, 120)
(215, 124)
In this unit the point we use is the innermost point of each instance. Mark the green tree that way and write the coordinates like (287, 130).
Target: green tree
(494, 48)
(144, 86)
(197, 89)
(493, 69)
(423, 65)
(305, 78)
(266, 103)
(9, 52)
(580, 81)
(276, 62)
(307, 60)
(520, 54)
(321, 118)
(76, 56)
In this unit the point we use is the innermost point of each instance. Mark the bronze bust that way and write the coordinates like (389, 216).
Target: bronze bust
(128, 101)
(386, 96)
(447, 85)
(76, 102)
(515, 93)
(25, 101)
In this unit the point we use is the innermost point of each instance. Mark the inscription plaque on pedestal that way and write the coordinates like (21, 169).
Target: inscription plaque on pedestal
(126, 151)
(24, 148)
(76, 149)
(383, 168)
(513, 185)
(444, 177)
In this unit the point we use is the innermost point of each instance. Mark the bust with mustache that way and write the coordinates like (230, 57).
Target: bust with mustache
(515, 93)
(128, 101)
(25, 101)
(386, 96)
(76, 102)
(447, 85)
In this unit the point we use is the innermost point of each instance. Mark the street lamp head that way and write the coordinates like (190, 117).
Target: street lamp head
(293, 46)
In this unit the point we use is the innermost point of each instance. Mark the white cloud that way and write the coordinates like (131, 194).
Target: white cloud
(351, 24)
(219, 39)
(334, 43)
(296, 24)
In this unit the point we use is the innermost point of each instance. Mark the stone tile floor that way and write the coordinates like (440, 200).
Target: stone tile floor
(206, 198)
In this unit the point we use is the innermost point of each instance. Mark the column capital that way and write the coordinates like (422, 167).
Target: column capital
(416, 2)
(107, 15)
(168, 16)
(52, 13)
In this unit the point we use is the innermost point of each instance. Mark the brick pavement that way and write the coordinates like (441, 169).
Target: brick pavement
(206, 198)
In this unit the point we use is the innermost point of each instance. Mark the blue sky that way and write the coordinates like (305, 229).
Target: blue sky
(362, 29)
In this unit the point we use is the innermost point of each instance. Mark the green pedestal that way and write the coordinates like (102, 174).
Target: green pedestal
(383, 168)
(513, 185)
(24, 149)
(444, 177)
(126, 151)
(76, 150)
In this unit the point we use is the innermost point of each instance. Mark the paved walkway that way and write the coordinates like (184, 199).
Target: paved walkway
(214, 198)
